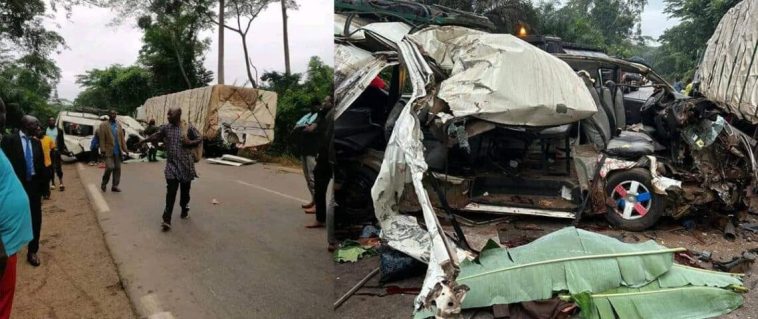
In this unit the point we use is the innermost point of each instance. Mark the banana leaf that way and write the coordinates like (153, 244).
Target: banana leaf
(569, 259)
(655, 302)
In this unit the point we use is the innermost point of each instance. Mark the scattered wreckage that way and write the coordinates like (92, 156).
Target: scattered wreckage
(228, 117)
(472, 116)
(79, 129)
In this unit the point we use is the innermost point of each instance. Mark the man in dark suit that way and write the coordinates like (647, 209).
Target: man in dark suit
(25, 154)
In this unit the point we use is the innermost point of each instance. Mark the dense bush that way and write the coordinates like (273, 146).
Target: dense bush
(295, 96)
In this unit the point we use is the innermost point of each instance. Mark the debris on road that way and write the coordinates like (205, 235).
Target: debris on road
(231, 160)
(355, 288)
(214, 202)
(352, 251)
(738, 264)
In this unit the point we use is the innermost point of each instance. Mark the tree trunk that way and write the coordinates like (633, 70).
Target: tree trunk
(247, 61)
(286, 38)
(220, 71)
(179, 60)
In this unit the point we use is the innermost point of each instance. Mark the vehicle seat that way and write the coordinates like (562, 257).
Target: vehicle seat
(618, 105)
(596, 128)
(556, 132)
(606, 101)
(599, 131)
(630, 145)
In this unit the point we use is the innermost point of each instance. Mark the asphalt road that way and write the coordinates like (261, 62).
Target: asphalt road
(247, 257)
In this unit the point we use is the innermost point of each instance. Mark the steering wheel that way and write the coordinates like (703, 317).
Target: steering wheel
(650, 102)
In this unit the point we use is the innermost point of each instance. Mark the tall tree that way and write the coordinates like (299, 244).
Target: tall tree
(243, 13)
(172, 50)
(220, 71)
(291, 4)
(28, 75)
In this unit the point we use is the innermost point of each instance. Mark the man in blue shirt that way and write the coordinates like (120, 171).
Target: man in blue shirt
(24, 152)
(15, 225)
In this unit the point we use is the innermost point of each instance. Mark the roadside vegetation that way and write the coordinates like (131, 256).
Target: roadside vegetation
(171, 59)
(611, 25)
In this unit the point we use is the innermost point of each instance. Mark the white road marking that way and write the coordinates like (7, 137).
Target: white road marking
(274, 192)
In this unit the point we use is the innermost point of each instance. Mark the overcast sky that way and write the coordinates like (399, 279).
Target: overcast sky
(654, 21)
(94, 44)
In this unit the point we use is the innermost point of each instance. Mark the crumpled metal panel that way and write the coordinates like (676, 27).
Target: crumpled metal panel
(728, 73)
(354, 70)
(404, 162)
(503, 79)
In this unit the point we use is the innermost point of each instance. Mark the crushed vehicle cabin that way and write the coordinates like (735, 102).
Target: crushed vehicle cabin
(490, 123)
(79, 129)
(498, 149)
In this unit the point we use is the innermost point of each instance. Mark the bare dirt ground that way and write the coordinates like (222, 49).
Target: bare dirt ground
(519, 230)
(77, 278)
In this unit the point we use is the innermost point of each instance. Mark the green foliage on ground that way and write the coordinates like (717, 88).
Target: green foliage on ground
(296, 91)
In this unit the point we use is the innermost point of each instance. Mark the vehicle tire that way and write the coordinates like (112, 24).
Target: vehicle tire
(637, 207)
(354, 197)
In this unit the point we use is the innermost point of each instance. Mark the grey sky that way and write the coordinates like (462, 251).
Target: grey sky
(654, 21)
(94, 44)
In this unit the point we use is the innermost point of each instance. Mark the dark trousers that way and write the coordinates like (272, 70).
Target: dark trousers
(172, 186)
(48, 180)
(112, 165)
(35, 203)
(152, 154)
(321, 175)
(57, 167)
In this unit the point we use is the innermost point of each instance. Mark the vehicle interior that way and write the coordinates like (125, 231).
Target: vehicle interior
(506, 166)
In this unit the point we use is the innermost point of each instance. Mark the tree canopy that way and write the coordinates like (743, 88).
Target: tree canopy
(295, 96)
(683, 44)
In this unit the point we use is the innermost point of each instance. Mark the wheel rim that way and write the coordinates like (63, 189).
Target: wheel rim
(632, 199)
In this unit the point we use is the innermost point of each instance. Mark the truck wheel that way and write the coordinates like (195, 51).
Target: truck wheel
(632, 204)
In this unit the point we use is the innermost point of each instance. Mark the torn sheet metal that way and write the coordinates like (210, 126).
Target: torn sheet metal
(392, 33)
(503, 79)
(728, 73)
(404, 162)
(350, 83)
(353, 32)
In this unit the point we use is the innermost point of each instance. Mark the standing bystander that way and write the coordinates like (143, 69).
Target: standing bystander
(56, 134)
(15, 225)
(48, 147)
(307, 131)
(179, 139)
(110, 137)
(325, 159)
(24, 152)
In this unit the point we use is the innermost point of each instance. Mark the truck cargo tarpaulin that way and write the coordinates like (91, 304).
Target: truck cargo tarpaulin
(728, 73)
(248, 113)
